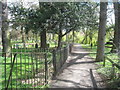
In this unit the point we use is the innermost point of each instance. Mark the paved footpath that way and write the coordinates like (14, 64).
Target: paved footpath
(79, 71)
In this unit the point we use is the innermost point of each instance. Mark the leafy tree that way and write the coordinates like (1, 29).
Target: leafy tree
(18, 18)
(55, 18)
(59, 18)
(64, 20)
(72, 17)
(38, 20)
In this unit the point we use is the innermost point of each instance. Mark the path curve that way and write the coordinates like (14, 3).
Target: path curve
(79, 71)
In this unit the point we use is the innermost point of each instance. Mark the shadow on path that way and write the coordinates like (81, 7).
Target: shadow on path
(79, 71)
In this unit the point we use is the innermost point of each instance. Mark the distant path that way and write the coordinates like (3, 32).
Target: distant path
(79, 71)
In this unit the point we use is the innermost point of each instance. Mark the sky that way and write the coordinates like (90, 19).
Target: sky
(62, 0)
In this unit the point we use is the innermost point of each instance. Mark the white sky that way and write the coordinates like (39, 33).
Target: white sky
(64, 0)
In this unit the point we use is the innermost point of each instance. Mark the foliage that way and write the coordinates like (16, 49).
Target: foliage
(38, 18)
(54, 17)
(18, 16)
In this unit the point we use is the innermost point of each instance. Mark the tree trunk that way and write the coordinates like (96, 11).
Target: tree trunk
(102, 31)
(116, 34)
(23, 37)
(119, 32)
(43, 39)
(5, 38)
(60, 39)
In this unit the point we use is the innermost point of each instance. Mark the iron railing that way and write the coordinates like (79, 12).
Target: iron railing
(59, 58)
(26, 69)
(31, 68)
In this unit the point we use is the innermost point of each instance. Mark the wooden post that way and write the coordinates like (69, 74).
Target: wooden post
(104, 61)
(60, 59)
(113, 71)
(70, 48)
(65, 54)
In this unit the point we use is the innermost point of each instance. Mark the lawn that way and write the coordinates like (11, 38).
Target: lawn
(107, 70)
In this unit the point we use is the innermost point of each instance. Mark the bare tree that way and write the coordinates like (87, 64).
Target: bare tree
(102, 31)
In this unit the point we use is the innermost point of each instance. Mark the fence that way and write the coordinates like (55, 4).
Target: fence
(31, 68)
(114, 67)
(59, 58)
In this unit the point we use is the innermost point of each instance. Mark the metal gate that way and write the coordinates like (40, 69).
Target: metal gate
(29, 69)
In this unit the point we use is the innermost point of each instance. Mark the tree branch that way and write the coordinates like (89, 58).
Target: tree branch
(66, 32)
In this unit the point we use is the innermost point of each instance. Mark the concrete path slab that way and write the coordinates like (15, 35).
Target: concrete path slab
(79, 71)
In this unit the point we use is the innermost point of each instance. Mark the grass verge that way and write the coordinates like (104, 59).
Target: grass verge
(106, 70)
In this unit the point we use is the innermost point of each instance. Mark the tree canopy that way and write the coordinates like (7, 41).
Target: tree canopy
(59, 18)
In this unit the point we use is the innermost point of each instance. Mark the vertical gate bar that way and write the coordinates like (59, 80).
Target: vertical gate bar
(60, 58)
(28, 70)
(54, 61)
(21, 68)
(5, 69)
(37, 68)
(43, 68)
(104, 61)
(10, 72)
(48, 64)
(36, 62)
(11, 67)
(46, 69)
(16, 73)
(32, 69)
(64, 55)
(38, 55)
(113, 71)
(25, 69)
(67, 51)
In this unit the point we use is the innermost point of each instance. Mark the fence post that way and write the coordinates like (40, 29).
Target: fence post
(46, 69)
(113, 71)
(65, 55)
(54, 62)
(61, 57)
(70, 48)
(104, 62)
(6, 88)
(67, 51)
